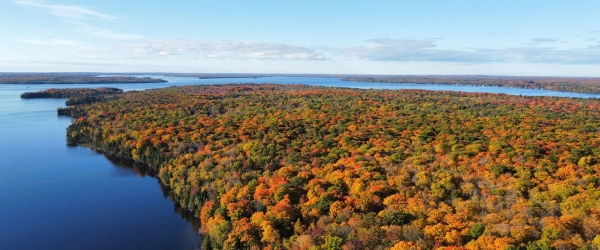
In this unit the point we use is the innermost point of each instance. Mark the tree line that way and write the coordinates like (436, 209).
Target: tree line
(567, 84)
(71, 79)
(70, 92)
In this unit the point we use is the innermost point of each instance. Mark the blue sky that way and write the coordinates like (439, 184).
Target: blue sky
(508, 37)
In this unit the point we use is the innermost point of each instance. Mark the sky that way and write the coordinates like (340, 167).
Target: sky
(397, 37)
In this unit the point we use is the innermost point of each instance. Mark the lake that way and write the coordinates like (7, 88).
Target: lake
(59, 197)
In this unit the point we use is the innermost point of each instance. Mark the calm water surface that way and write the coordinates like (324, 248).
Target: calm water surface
(58, 197)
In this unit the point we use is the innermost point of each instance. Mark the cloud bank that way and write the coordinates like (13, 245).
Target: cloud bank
(222, 50)
(544, 40)
(427, 51)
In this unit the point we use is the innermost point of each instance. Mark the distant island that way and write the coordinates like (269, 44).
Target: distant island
(70, 78)
(219, 75)
(76, 96)
(68, 93)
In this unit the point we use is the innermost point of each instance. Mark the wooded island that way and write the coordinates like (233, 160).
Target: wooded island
(69, 78)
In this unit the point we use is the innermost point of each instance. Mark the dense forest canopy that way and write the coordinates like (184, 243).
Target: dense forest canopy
(299, 167)
(69, 92)
(76, 96)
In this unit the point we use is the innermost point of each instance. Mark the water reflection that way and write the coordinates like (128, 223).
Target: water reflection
(128, 167)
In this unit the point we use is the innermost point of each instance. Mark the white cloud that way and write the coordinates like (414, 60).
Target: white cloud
(544, 40)
(222, 50)
(404, 50)
(73, 12)
(80, 15)
(595, 47)
(60, 42)
(427, 51)
(93, 30)
(548, 55)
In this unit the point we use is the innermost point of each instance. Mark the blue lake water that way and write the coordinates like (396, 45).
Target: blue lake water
(59, 197)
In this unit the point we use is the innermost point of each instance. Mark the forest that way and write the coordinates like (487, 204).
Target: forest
(266, 166)
(70, 92)
(76, 96)
(56, 78)
(567, 84)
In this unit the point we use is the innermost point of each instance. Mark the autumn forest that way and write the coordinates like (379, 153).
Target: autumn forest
(266, 166)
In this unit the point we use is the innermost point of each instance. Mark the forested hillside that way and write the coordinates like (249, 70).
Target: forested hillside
(299, 167)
